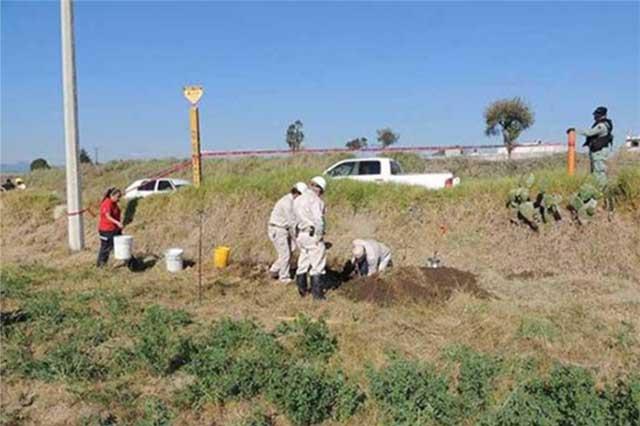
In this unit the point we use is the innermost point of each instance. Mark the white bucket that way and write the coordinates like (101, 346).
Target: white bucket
(122, 245)
(173, 256)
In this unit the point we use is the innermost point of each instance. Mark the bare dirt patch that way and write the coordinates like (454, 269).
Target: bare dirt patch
(413, 284)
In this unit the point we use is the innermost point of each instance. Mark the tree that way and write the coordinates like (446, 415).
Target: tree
(387, 137)
(508, 117)
(39, 163)
(295, 136)
(84, 157)
(357, 143)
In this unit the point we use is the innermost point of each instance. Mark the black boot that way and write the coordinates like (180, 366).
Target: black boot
(317, 287)
(301, 282)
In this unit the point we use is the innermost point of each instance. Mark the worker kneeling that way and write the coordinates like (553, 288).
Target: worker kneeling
(370, 256)
(310, 226)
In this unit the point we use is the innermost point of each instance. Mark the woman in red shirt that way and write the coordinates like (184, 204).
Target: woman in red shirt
(109, 224)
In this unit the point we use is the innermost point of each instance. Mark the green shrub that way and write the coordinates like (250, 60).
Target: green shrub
(624, 403)
(312, 338)
(567, 397)
(68, 361)
(159, 344)
(476, 374)
(411, 393)
(306, 395)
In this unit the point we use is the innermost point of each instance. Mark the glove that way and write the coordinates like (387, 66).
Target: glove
(571, 129)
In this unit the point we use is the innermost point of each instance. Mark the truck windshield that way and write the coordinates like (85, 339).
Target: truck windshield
(369, 168)
(395, 168)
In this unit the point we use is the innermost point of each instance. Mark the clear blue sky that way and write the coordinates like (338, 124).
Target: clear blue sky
(425, 69)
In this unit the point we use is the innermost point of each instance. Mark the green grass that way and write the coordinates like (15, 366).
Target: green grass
(69, 339)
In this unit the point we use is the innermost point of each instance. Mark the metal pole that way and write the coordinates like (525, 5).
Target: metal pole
(74, 196)
(571, 153)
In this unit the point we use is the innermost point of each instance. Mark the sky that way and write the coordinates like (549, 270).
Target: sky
(426, 69)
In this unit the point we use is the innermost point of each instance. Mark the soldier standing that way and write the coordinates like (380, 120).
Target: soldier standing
(598, 137)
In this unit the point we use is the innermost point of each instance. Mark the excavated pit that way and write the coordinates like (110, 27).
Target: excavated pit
(413, 285)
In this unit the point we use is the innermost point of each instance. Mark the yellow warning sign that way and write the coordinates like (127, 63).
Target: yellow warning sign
(193, 93)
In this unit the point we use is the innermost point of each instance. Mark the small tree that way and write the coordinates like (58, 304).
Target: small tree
(84, 157)
(357, 143)
(387, 137)
(509, 117)
(39, 163)
(295, 136)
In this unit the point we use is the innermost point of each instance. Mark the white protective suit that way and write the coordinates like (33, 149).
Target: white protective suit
(309, 211)
(377, 255)
(282, 223)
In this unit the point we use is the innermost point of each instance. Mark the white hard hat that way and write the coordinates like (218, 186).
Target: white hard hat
(301, 187)
(320, 181)
(358, 251)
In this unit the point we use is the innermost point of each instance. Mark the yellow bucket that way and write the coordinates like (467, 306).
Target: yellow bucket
(221, 256)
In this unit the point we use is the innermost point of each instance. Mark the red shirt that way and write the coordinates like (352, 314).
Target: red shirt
(111, 207)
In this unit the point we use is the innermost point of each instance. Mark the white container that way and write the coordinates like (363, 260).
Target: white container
(173, 256)
(122, 245)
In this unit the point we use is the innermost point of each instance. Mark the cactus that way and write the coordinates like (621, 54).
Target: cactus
(583, 203)
(532, 212)
(548, 205)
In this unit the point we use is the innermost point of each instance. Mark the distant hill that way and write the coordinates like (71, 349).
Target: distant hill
(20, 167)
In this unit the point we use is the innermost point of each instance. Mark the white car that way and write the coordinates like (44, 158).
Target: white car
(145, 187)
(380, 169)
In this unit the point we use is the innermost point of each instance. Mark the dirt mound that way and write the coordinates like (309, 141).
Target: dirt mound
(413, 284)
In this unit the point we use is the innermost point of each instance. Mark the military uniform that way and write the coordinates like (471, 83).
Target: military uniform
(598, 138)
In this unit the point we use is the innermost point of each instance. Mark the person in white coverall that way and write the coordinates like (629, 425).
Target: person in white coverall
(370, 257)
(310, 227)
(281, 230)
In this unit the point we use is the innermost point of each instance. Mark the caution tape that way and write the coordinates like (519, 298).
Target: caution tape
(161, 174)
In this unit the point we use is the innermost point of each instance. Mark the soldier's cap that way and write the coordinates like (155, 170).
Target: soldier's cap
(600, 111)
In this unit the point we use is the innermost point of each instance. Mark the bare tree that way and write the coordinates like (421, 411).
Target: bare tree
(295, 136)
(508, 117)
(357, 143)
(387, 137)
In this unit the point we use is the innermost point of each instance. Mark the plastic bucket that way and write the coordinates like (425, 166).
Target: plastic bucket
(173, 257)
(221, 256)
(122, 245)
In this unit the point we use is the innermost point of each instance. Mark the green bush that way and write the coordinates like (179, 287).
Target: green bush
(624, 403)
(412, 393)
(476, 374)
(159, 344)
(567, 397)
(68, 361)
(312, 338)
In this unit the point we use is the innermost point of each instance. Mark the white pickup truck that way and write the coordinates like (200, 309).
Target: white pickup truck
(380, 169)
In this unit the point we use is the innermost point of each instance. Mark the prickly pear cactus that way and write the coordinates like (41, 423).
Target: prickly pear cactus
(549, 206)
(519, 201)
(584, 202)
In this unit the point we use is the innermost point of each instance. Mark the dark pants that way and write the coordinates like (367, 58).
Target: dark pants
(106, 245)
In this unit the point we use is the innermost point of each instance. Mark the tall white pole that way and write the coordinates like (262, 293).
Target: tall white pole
(74, 196)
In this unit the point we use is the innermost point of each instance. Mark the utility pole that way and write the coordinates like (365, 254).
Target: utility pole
(95, 157)
(74, 196)
(193, 95)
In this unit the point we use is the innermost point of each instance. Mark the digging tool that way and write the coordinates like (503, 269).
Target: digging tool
(434, 261)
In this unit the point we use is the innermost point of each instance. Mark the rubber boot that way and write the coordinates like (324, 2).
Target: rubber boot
(317, 288)
(301, 282)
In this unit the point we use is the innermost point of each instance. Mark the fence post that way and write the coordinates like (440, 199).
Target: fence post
(571, 153)
(193, 95)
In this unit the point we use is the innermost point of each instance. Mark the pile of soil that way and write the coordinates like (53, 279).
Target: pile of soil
(413, 284)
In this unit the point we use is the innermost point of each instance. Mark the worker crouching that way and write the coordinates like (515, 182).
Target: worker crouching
(309, 210)
(370, 257)
(281, 230)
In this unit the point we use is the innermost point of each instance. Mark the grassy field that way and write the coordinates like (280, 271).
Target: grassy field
(557, 342)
